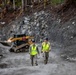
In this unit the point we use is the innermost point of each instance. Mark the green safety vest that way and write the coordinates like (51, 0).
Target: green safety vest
(45, 47)
(33, 50)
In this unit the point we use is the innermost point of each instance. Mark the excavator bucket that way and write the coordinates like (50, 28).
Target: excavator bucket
(5, 43)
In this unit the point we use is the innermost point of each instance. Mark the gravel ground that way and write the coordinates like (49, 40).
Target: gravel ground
(19, 64)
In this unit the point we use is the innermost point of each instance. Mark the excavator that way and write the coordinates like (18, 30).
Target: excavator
(18, 43)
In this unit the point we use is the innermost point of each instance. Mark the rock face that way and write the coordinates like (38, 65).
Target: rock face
(42, 24)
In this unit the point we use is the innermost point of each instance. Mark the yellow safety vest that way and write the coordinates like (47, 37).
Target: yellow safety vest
(33, 50)
(45, 47)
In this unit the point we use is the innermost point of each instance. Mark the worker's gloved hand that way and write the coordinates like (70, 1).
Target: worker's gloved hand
(49, 50)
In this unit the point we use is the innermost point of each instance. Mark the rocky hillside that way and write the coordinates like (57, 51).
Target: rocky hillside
(60, 27)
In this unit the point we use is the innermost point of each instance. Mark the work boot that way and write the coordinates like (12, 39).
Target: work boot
(45, 62)
(32, 64)
(43, 55)
(36, 64)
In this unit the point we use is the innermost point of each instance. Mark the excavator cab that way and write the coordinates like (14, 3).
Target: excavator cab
(19, 42)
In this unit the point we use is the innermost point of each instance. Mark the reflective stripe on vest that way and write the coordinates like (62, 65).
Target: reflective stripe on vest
(45, 46)
(34, 50)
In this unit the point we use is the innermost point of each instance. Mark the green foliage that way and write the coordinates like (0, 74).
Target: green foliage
(56, 2)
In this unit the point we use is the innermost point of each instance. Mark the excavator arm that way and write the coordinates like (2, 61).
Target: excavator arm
(19, 38)
(11, 39)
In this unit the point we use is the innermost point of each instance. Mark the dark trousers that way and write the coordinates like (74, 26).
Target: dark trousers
(33, 59)
(46, 56)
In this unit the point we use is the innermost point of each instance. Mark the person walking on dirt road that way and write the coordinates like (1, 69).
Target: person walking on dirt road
(46, 47)
(33, 50)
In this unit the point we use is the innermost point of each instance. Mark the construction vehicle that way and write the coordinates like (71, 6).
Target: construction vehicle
(18, 43)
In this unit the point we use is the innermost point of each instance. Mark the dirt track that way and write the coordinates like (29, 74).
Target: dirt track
(19, 64)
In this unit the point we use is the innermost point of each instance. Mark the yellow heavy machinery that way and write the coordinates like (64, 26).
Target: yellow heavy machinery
(18, 43)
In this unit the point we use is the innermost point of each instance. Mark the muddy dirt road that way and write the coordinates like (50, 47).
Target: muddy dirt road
(19, 64)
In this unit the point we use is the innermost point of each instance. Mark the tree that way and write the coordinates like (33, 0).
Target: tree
(14, 4)
(22, 5)
(11, 1)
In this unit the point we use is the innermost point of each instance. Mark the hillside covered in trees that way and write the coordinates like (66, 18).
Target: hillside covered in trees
(15, 8)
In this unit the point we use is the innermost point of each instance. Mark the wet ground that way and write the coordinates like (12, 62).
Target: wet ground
(19, 64)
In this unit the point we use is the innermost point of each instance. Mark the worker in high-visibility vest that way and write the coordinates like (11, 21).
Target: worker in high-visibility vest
(33, 50)
(46, 48)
